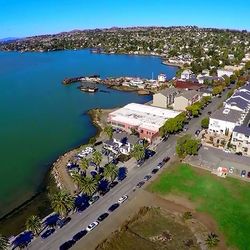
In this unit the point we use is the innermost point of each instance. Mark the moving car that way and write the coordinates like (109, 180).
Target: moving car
(67, 245)
(79, 235)
(47, 233)
(122, 199)
(102, 217)
(92, 225)
(94, 199)
(113, 207)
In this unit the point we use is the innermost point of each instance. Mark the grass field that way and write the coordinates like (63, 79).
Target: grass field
(226, 200)
(137, 233)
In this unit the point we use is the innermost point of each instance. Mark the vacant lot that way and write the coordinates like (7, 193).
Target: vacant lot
(151, 229)
(226, 200)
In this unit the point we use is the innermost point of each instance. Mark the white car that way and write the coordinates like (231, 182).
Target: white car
(92, 225)
(122, 199)
(227, 151)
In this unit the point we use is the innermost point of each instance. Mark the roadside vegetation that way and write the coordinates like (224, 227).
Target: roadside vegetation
(226, 200)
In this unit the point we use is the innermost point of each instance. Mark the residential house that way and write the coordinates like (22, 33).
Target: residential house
(187, 74)
(185, 99)
(223, 72)
(165, 98)
(162, 78)
(125, 142)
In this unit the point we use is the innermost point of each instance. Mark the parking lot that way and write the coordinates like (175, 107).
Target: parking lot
(212, 158)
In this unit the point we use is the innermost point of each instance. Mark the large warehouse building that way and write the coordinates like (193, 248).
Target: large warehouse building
(145, 119)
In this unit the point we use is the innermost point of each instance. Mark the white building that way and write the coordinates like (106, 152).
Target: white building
(223, 72)
(187, 74)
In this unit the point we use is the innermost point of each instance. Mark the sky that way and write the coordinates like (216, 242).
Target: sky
(21, 18)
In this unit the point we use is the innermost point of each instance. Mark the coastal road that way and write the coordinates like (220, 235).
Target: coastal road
(81, 221)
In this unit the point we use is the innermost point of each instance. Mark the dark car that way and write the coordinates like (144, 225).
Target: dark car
(209, 112)
(98, 143)
(79, 235)
(149, 153)
(140, 184)
(166, 159)
(147, 177)
(165, 138)
(103, 192)
(238, 153)
(64, 222)
(113, 207)
(248, 175)
(113, 184)
(140, 162)
(121, 178)
(154, 171)
(94, 199)
(102, 217)
(243, 173)
(47, 233)
(67, 245)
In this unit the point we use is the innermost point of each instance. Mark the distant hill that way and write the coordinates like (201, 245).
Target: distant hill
(9, 39)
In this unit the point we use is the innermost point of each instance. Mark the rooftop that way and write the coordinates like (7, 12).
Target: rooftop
(242, 130)
(189, 94)
(143, 116)
(169, 91)
(229, 115)
(126, 137)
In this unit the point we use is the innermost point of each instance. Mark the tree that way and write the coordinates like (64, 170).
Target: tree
(233, 78)
(88, 185)
(205, 122)
(110, 171)
(62, 202)
(217, 90)
(212, 240)
(34, 224)
(230, 93)
(186, 145)
(4, 243)
(109, 131)
(97, 158)
(194, 109)
(226, 80)
(84, 164)
(205, 100)
(138, 152)
(77, 179)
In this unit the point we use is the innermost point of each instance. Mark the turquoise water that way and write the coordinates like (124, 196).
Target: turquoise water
(41, 118)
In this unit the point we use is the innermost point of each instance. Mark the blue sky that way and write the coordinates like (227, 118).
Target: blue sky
(20, 18)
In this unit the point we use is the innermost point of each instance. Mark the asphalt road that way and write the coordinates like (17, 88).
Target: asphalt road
(81, 221)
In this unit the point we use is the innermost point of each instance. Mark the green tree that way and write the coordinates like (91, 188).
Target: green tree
(205, 122)
(217, 90)
(97, 158)
(212, 240)
(84, 164)
(34, 224)
(88, 185)
(194, 109)
(138, 152)
(77, 179)
(230, 93)
(109, 131)
(4, 243)
(110, 171)
(62, 202)
(227, 80)
(186, 145)
(233, 78)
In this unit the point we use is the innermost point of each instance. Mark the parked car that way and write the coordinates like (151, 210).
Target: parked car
(94, 199)
(140, 162)
(154, 171)
(122, 199)
(231, 170)
(67, 245)
(243, 173)
(147, 177)
(102, 217)
(226, 150)
(79, 235)
(64, 222)
(166, 159)
(238, 153)
(209, 112)
(248, 175)
(165, 138)
(47, 233)
(140, 184)
(113, 184)
(92, 225)
(197, 132)
(113, 207)
(103, 192)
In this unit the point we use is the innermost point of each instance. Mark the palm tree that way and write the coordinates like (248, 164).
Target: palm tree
(77, 179)
(109, 131)
(34, 224)
(111, 171)
(84, 164)
(97, 158)
(212, 240)
(62, 202)
(138, 152)
(88, 185)
(4, 243)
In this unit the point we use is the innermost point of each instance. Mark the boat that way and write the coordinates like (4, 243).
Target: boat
(88, 89)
